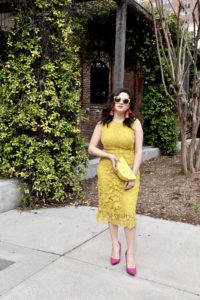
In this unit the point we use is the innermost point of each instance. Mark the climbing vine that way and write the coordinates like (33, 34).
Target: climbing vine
(40, 112)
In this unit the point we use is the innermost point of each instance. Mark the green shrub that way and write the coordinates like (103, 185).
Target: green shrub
(160, 120)
(40, 110)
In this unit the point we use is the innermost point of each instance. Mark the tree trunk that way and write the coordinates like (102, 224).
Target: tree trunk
(182, 111)
(192, 148)
(183, 148)
(197, 164)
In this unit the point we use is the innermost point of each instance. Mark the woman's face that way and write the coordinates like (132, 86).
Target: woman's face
(121, 102)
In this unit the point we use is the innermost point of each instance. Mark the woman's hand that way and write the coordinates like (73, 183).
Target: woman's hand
(129, 184)
(114, 160)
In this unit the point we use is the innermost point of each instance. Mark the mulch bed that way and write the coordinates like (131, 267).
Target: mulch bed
(164, 192)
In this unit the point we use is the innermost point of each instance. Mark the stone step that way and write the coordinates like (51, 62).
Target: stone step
(10, 193)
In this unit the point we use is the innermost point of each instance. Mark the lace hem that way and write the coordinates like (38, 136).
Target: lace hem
(116, 219)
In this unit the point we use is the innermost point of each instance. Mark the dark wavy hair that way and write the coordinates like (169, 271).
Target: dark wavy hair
(106, 118)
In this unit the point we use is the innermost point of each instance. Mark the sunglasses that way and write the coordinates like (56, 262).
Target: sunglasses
(118, 99)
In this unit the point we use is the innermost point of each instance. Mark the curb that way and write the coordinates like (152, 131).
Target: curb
(10, 193)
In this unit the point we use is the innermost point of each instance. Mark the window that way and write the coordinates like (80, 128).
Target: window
(99, 73)
(3, 41)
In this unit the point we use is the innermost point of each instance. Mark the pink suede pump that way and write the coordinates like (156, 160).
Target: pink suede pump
(115, 261)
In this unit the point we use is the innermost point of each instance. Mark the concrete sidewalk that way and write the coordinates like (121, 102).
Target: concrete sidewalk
(62, 253)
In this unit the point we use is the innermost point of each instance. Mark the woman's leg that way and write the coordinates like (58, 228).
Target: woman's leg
(114, 237)
(130, 240)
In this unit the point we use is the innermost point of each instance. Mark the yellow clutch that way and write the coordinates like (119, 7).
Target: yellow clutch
(124, 172)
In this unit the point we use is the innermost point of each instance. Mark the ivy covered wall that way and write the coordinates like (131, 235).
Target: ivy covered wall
(40, 112)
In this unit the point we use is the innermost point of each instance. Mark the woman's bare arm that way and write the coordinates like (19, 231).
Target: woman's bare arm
(138, 147)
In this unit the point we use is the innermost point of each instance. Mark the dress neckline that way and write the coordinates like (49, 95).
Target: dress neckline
(118, 122)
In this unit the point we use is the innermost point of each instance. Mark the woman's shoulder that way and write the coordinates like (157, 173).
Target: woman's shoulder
(136, 123)
(100, 124)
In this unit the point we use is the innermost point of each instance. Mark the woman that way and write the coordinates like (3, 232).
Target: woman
(121, 134)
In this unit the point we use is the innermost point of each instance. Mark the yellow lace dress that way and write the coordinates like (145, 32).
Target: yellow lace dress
(117, 205)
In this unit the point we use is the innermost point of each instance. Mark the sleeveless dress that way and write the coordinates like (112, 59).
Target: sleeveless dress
(117, 205)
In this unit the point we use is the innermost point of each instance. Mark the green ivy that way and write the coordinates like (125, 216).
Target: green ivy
(160, 120)
(40, 111)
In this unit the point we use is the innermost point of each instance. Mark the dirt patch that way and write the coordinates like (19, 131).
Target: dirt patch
(164, 192)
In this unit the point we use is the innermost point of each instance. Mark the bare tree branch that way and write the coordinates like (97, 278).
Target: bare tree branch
(159, 56)
(176, 55)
